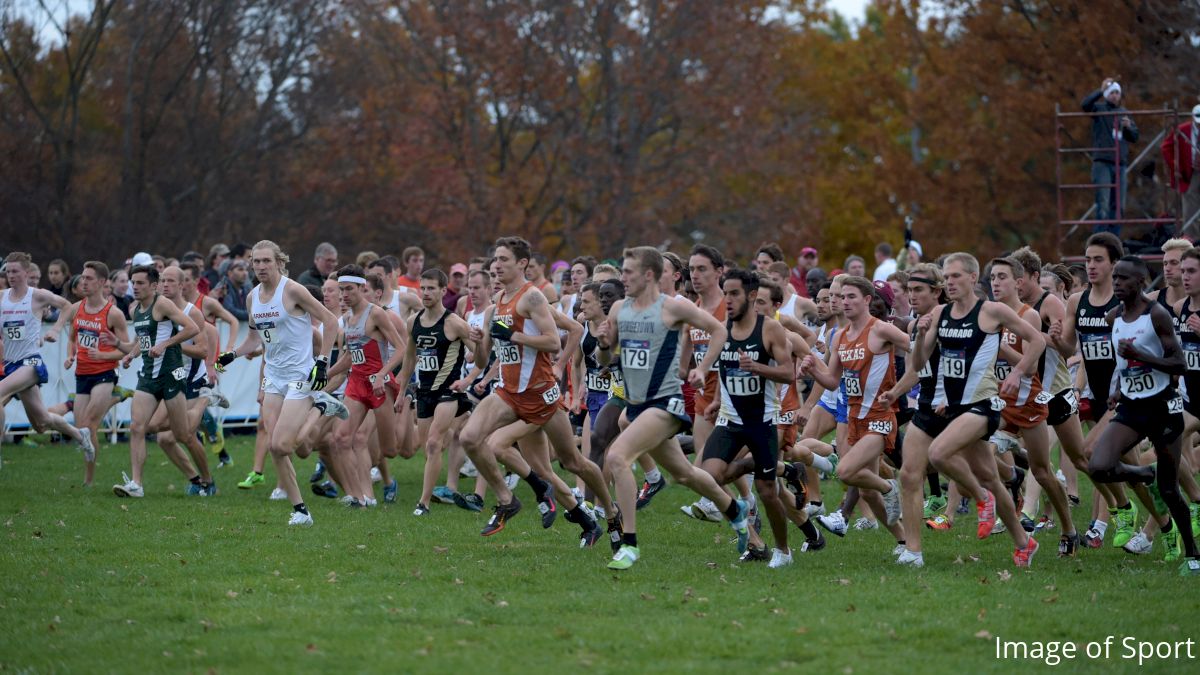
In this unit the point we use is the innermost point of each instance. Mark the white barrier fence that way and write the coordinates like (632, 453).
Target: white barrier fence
(239, 383)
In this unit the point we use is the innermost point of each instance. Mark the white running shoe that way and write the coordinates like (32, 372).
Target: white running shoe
(911, 559)
(278, 494)
(577, 493)
(348, 500)
(865, 523)
(814, 510)
(600, 514)
(899, 550)
(215, 398)
(86, 445)
(779, 559)
(705, 509)
(999, 527)
(302, 519)
(330, 406)
(468, 469)
(370, 501)
(128, 488)
(834, 522)
(891, 502)
(1139, 544)
(376, 477)
(511, 480)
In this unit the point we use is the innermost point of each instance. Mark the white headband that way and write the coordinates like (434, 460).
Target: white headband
(350, 279)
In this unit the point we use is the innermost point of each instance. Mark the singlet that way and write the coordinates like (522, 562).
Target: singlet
(649, 352)
(150, 332)
(865, 374)
(521, 367)
(366, 354)
(88, 327)
(1052, 367)
(287, 339)
(927, 378)
(1031, 385)
(394, 304)
(1161, 299)
(1095, 343)
(595, 379)
(439, 359)
(1190, 341)
(196, 368)
(475, 319)
(789, 395)
(828, 335)
(1138, 380)
(22, 330)
(746, 398)
(966, 371)
(700, 339)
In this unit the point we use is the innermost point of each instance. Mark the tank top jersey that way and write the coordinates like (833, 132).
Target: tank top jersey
(966, 371)
(1031, 385)
(439, 359)
(789, 395)
(700, 339)
(1161, 299)
(475, 319)
(366, 353)
(287, 339)
(1095, 343)
(594, 377)
(649, 353)
(1138, 380)
(927, 378)
(1189, 340)
(865, 374)
(1056, 376)
(196, 368)
(829, 335)
(88, 326)
(746, 398)
(521, 367)
(151, 332)
(22, 330)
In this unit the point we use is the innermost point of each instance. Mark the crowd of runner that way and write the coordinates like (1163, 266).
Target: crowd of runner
(937, 386)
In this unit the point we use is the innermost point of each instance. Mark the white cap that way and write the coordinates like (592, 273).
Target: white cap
(1196, 114)
(141, 258)
(1112, 86)
(916, 246)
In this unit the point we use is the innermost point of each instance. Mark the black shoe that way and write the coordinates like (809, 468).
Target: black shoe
(813, 544)
(614, 532)
(326, 489)
(1014, 486)
(319, 474)
(755, 555)
(797, 484)
(649, 490)
(590, 536)
(500, 516)
(547, 507)
(470, 502)
(1074, 499)
(1027, 523)
(1067, 545)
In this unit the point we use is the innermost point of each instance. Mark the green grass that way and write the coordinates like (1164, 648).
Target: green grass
(91, 583)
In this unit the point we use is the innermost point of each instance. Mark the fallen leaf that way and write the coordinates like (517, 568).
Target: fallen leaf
(711, 565)
(844, 582)
(958, 560)
(982, 614)
(647, 596)
(458, 582)
(1051, 588)
(1004, 575)
(311, 648)
(1051, 600)
(699, 615)
(361, 547)
(124, 508)
(802, 630)
(974, 557)
(502, 603)
(440, 549)
(736, 624)
(983, 635)
(851, 608)
(231, 594)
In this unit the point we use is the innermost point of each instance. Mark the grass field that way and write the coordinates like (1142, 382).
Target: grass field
(170, 583)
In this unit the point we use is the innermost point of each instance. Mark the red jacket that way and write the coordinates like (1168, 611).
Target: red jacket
(1179, 142)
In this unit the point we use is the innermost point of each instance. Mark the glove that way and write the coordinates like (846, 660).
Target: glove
(224, 359)
(317, 377)
(502, 331)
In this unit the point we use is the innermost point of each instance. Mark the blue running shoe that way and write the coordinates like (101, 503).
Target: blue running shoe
(389, 492)
(740, 525)
(319, 474)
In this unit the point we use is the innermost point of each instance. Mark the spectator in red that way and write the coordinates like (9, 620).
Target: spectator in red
(1181, 154)
(414, 264)
(806, 261)
(454, 287)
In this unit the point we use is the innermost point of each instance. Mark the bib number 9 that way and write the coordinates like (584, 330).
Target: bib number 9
(266, 335)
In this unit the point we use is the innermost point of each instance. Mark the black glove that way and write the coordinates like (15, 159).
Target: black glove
(502, 331)
(224, 359)
(317, 377)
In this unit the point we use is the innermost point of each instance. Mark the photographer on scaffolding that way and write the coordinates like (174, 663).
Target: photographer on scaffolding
(1109, 162)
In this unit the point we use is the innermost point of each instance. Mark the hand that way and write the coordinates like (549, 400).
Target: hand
(460, 385)
(1193, 322)
(1127, 351)
(1056, 329)
(126, 361)
(746, 363)
(93, 353)
(802, 416)
(376, 385)
(224, 359)
(710, 411)
(479, 388)
(108, 338)
(1107, 81)
(923, 323)
(50, 335)
(601, 334)
(888, 397)
(807, 364)
(1126, 122)
(1113, 399)
(501, 331)
(67, 364)
(576, 404)
(476, 334)
(317, 377)
(819, 346)
(1012, 384)
(158, 349)
(696, 379)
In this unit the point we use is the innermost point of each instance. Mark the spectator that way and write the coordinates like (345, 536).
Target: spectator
(325, 261)
(218, 254)
(855, 266)
(454, 287)
(35, 275)
(767, 253)
(366, 258)
(198, 260)
(1181, 154)
(57, 276)
(160, 263)
(885, 264)
(235, 288)
(814, 280)
(414, 263)
(806, 261)
(1108, 166)
(119, 288)
(240, 251)
(914, 254)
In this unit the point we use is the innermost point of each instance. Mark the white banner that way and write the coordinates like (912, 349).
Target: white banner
(239, 383)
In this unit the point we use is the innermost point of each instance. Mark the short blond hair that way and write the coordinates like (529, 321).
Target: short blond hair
(965, 259)
(1177, 244)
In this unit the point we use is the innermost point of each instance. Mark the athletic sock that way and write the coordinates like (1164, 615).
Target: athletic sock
(578, 516)
(1128, 505)
(629, 539)
(653, 475)
(809, 530)
(539, 486)
(1101, 527)
(817, 504)
(300, 508)
(195, 480)
(935, 484)
(732, 511)
(1166, 528)
(822, 463)
(258, 473)
(790, 472)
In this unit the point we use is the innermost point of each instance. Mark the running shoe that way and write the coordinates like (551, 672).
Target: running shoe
(898, 550)
(253, 478)
(933, 505)
(376, 475)
(1044, 523)
(370, 501)
(865, 523)
(128, 488)
(443, 495)
(796, 482)
(318, 474)
(224, 460)
(813, 544)
(705, 509)
(421, 510)
(891, 502)
(547, 507)
(1190, 568)
(779, 559)
(1000, 528)
(210, 490)
(468, 469)
(911, 559)
(590, 536)
(1023, 557)
(1093, 538)
(615, 529)
(649, 490)
(1027, 524)
(511, 480)
(1067, 545)
(278, 494)
(753, 554)
(1123, 520)
(500, 516)
(939, 522)
(194, 489)
(1170, 542)
(470, 502)
(325, 489)
(330, 406)
(987, 516)
(624, 558)
(1138, 544)
(389, 492)
(741, 526)
(834, 522)
(833, 459)
(814, 510)
(86, 445)
(215, 398)
(301, 519)
(122, 393)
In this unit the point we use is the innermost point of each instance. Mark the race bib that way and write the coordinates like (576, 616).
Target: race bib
(1097, 347)
(508, 353)
(998, 403)
(722, 421)
(1175, 406)
(1003, 370)
(676, 407)
(785, 418)
(926, 372)
(179, 374)
(357, 357)
(88, 339)
(264, 330)
(1071, 399)
(617, 380)
(1042, 398)
(635, 354)
(551, 395)
(953, 364)
(1136, 380)
(1191, 355)
(699, 352)
(852, 383)
(427, 360)
(880, 427)
(742, 383)
(595, 382)
(14, 330)
(32, 361)
(145, 343)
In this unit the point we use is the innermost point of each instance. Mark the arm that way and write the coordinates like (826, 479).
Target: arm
(606, 335)
(58, 302)
(791, 324)
(219, 313)
(306, 302)
(72, 333)
(410, 358)
(827, 376)
(533, 306)
(682, 311)
(925, 340)
(383, 328)
(574, 335)
(117, 325)
(776, 342)
(1089, 101)
(1063, 334)
(1030, 336)
(188, 328)
(483, 340)
(1130, 132)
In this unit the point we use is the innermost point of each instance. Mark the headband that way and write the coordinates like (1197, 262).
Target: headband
(351, 279)
(923, 280)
